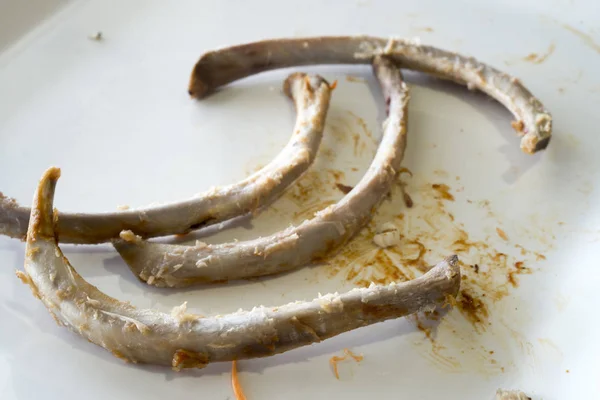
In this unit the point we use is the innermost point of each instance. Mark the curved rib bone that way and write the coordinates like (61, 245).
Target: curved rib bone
(311, 96)
(220, 67)
(184, 340)
(178, 266)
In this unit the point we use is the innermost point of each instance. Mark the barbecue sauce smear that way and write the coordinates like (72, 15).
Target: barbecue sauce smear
(492, 264)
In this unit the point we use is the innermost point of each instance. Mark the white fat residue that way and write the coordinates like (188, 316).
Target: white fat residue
(143, 328)
(331, 302)
(200, 244)
(387, 235)
(92, 302)
(130, 237)
(285, 243)
(543, 122)
(203, 262)
(181, 315)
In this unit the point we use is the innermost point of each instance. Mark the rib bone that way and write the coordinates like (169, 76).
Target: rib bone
(183, 340)
(311, 96)
(179, 266)
(220, 67)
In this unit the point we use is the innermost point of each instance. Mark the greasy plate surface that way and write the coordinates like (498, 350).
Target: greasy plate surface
(115, 116)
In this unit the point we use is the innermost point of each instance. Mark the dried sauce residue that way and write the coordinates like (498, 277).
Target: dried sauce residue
(355, 79)
(443, 191)
(540, 58)
(320, 188)
(490, 266)
(587, 39)
(344, 188)
(408, 201)
(502, 234)
(473, 308)
(333, 361)
(361, 122)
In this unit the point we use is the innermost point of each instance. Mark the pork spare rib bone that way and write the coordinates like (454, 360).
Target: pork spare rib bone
(184, 340)
(179, 265)
(310, 94)
(169, 265)
(220, 67)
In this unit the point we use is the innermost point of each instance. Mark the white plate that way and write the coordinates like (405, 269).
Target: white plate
(115, 116)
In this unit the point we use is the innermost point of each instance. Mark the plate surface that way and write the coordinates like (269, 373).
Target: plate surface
(115, 116)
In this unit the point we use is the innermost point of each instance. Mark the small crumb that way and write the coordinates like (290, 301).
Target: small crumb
(96, 36)
(200, 244)
(333, 85)
(130, 237)
(502, 234)
(518, 126)
(567, 371)
(123, 207)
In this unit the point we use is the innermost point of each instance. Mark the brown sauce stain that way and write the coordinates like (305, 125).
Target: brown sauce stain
(473, 308)
(356, 141)
(408, 201)
(343, 188)
(587, 39)
(378, 268)
(502, 234)
(441, 173)
(309, 188)
(429, 232)
(335, 174)
(540, 58)
(443, 191)
(519, 269)
(328, 153)
(355, 79)
(339, 133)
(361, 122)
